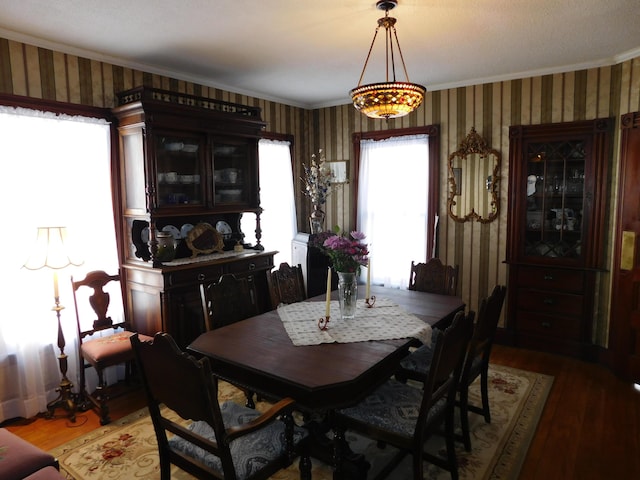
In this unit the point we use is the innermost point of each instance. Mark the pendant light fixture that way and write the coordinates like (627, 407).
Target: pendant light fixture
(391, 98)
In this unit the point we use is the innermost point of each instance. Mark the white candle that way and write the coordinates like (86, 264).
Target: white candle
(56, 293)
(368, 291)
(328, 304)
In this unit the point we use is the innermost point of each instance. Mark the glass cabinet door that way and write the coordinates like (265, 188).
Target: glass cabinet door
(179, 170)
(555, 195)
(231, 173)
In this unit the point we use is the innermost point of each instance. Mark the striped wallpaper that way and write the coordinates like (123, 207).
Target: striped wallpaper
(479, 249)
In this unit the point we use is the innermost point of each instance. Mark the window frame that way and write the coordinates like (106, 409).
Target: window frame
(432, 131)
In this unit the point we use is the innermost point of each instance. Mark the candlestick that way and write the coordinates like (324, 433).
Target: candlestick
(368, 290)
(328, 304)
(56, 293)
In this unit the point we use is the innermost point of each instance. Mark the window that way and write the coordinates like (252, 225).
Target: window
(57, 171)
(397, 193)
(278, 219)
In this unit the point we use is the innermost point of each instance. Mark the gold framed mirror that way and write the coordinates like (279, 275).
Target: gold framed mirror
(474, 181)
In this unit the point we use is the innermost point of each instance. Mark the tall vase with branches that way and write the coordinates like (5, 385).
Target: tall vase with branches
(317, 186)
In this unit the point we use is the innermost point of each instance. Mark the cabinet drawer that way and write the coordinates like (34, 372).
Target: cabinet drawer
(210, 273)
(551, 302)
(250, 264)
(549, 325)
(551, 279)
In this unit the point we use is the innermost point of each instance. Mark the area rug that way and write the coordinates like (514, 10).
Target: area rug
(126, 449)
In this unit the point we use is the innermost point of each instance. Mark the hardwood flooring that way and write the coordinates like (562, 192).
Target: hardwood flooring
(589, 430)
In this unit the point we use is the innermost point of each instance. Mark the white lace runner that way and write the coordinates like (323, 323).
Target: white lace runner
(385, 321)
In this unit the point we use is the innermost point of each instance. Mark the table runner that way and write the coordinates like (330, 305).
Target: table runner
(386, 320)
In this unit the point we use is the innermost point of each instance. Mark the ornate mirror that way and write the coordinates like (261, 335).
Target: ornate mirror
(474, 181)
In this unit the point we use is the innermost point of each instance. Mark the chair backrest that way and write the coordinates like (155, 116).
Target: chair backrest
(99, 301)
(484, 333)
(186, 386)
(434, 277)
(286, 285)
(443, 378)
(227, 301)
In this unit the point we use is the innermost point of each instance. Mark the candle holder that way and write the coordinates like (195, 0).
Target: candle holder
(370, 301)
(323, 322)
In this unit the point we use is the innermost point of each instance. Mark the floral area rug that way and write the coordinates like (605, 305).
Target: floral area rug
(127, 449)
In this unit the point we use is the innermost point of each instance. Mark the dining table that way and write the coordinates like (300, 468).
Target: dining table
(259, 355)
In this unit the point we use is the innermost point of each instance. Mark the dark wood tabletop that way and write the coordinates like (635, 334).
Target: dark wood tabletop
(257, 353)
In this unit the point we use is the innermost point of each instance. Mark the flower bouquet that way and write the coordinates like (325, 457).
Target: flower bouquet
(347, 253)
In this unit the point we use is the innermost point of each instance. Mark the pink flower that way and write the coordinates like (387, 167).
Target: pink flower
(347, 254)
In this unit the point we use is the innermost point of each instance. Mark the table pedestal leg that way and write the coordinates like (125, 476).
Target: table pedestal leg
(350, 465)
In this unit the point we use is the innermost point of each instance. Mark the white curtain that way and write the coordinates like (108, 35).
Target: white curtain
(56, 172)
(392, 205)
(278, 220)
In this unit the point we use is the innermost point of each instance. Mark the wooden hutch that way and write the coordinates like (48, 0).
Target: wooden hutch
(188, 166)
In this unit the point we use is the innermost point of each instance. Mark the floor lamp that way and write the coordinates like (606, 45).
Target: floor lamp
(51, 250)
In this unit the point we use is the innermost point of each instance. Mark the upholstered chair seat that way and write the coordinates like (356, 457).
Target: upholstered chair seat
(105, 351)
(252, 453)
(394, 407)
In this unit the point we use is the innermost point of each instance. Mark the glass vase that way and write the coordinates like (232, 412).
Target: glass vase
(316, 220)
(347, 294)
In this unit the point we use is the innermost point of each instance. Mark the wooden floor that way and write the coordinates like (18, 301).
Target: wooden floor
(590, 428)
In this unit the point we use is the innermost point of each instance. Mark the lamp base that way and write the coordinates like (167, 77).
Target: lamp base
(66, 400)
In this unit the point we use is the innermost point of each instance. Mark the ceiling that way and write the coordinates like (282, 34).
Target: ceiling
(310, 54)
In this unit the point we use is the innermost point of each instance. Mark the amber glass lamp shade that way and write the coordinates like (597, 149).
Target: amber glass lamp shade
(387, 100)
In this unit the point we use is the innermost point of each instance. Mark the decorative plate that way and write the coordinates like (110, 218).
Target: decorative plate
(224, 228)
(186, 228)
(203, 238)
(175, 233)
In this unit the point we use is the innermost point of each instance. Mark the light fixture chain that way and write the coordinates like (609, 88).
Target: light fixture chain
(390, 48)
(368, 55)
(406, 75)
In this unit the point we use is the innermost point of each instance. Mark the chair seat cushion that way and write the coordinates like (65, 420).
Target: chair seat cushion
(250, 452)
(19, 458)
(393, 407)
(110, 350)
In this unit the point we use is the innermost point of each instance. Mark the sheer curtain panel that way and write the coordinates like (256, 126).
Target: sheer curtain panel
(392, 205)
(56, 172)
(278, 220)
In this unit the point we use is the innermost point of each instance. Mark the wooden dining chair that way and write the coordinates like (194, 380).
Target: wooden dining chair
(434, 277)
(102, 342)
(477, 361)
(286, 285)
(405, 416)
(220, 441)
(416, 365)
(227, 301)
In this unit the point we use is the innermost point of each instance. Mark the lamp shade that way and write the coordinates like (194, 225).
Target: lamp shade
(387, 100)
(51, 250)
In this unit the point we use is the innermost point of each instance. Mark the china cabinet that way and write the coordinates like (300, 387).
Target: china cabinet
(557, 205)
(188, 167)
